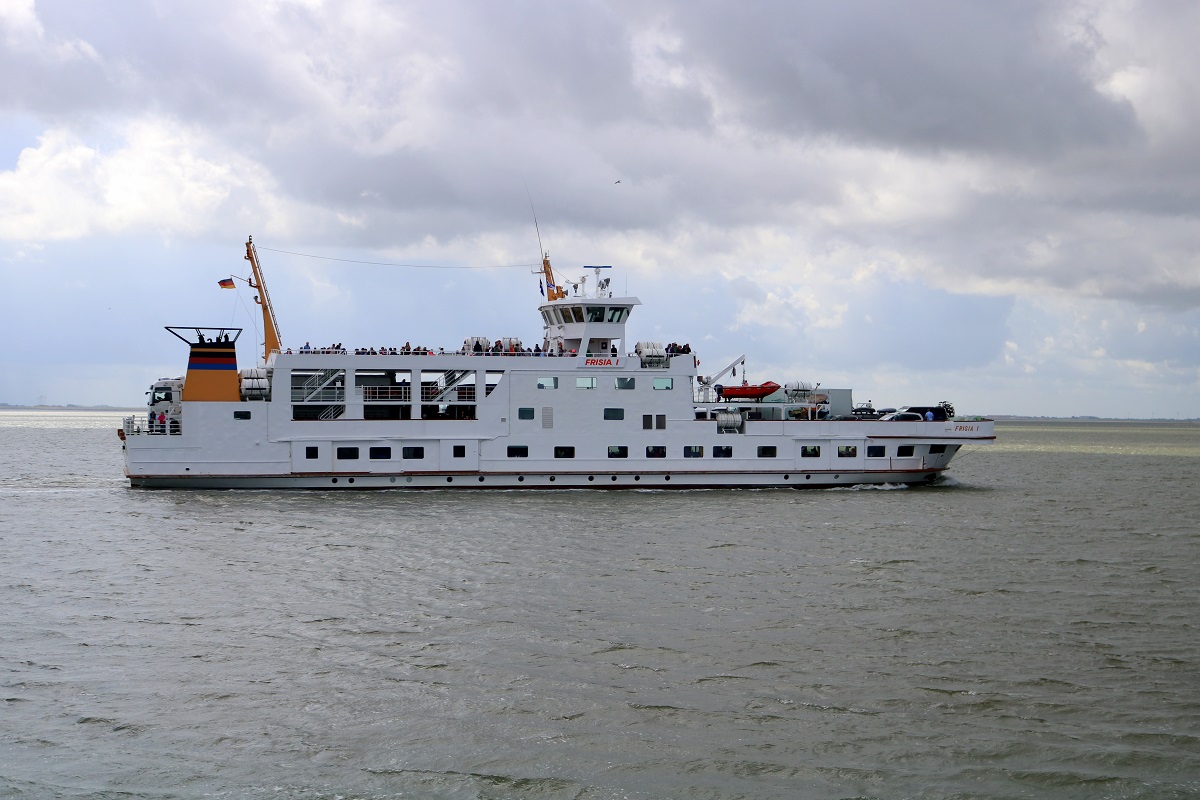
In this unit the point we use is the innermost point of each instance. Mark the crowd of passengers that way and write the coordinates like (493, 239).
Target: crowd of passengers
(497, 348)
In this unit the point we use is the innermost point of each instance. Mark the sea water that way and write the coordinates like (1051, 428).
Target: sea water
(1028, 627)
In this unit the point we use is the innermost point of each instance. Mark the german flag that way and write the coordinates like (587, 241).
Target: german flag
(225, 283)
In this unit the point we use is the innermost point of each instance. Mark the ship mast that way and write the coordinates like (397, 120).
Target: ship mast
(270, 326)
(553, 290)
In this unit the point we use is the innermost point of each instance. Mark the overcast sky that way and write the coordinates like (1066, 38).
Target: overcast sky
(990, 203)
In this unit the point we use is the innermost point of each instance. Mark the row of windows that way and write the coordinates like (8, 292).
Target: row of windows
(384, 453)
(649, 421)
(652, 451)
(551, 382)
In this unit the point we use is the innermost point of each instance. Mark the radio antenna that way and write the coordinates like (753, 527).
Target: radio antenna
(533, 211)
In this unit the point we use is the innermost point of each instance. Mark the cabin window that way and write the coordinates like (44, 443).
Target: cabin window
(347, 453)
(722, 451)
(904, 451)
(647, 422)
(524, 413)
(380, 453)
(460, 451)
(617, 313)
(585, 383)
(625, 383)
(577, 312)
(557, 315)
(810, 451)
(412, 452)
(847, 451)
(693, 451)
(664, 383)
(564, 452)
(936, 449)
(547, 383)
(656, 451)
(660, 421)
(241, 415)
(311, 452)
(618, 451)
(766, 451)
(518, 451)
(614, 413)
(595, 313)
(876, 451)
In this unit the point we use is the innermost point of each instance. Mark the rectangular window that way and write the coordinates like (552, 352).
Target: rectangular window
(904, 451)
(547, 383)
(766, 451)
(656, 451)
(936, 449)
(876, 451)
(618, 451)
(380, 453)
(847, 451)
(311, 452)
(524, 413)
(412, 452)
(664, 383)
(722, 451)
(595, 313)
(614, 413)
(241, 415)
(460, 451)
(564, 452)
(518, 451)
(585, 383)
(647, 422)
(693, 451)
(660, 421)
(810, 451)
(347, 453)
(625, 383)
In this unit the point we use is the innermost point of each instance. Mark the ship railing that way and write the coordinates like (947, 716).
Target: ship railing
(328, 394)
(401, 394)
(142, 426)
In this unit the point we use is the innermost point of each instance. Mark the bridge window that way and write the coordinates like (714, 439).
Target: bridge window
(617, 313)
(595, 314)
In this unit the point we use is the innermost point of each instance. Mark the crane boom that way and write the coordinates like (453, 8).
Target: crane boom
(270, 326)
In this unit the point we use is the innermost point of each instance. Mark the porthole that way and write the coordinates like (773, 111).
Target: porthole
(808, 477)
(637, 477)
(786, 477)
(614, 477)
(408, 479)
(666, 477)
(591, 477)
(335, 480)
(449, 479)
(481, 479)
(520, 479)
(552, 479)
(351, 480)
(835, 477)
(392, 479)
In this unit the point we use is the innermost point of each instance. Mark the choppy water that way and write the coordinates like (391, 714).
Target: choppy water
(1026, 629)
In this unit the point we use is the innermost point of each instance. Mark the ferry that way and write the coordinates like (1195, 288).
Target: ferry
(584, 408)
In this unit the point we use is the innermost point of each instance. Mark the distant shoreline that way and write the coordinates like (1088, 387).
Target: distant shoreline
(996, 417)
